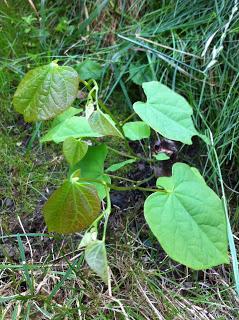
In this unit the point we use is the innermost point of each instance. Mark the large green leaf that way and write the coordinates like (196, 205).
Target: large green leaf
(46, 91)
(72, 208)
(77, 127)
(95, 256)
(188, 219)
(166, 112)
(136, 130)
(74, 150)
(103, 124)
(89, 70)
(92, 167)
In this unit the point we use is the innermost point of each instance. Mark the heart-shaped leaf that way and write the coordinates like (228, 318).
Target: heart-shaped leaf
(72, 207)
(136, 130)
(103, 124)
(188, 219)
(74, 150)
(46, 91)
(95, 256)
(166, 112)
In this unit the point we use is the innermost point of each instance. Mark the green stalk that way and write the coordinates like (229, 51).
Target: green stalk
(229, 229)
(114, 187)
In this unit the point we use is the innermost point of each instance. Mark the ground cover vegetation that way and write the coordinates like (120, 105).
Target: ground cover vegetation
(95, 69)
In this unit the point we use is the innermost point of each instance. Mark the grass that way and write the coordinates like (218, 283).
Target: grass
(45, 277)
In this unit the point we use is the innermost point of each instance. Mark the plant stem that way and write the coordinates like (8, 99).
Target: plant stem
(127, 119)
(114, 187)
(229, 229)
(106, 214)
(94, 94)
(121, 178)
(123, 154)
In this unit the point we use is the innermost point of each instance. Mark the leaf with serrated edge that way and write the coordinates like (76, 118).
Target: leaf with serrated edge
(95, 256)
(72, 207)
(74, 150)
(46, 91)
(136, 130)
(166, 112)
(188, 219)
(103, 124)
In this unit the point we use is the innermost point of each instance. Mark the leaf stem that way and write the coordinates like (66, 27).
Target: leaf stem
(123, 154)
(119, 188)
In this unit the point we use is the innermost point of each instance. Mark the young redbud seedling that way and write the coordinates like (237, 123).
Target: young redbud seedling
(183, 213)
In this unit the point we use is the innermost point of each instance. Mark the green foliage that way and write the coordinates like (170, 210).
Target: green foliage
(140, 73)
(89, 70)
(119, 165)
(72, 207)
(161, 156)
(166, 112)
(45, 92)
(68, 113)
(184, 214)
(136, 130)
(74, 150)
(76, 127)
(103, 124)
(188, 219)
(92, 167)
(95, 256)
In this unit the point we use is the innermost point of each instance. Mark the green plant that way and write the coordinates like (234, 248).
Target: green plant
(184, 214)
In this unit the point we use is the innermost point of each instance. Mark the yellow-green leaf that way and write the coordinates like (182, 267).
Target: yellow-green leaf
(188, 219)
(46, 91)
(103, 124)
(74, 150)
(95, 256)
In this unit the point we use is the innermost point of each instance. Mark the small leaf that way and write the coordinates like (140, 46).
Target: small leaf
(88, 237)
(89, 70)
(74, 150)
(161, 156)
(77, 127)
(92, 167)
(72, 208)
(119, 165)
(69, 113)
(103, 124)
(136, 130)
(95, 256)
(46, 91)
(188, 219)
(140, 73)
(166, 112)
